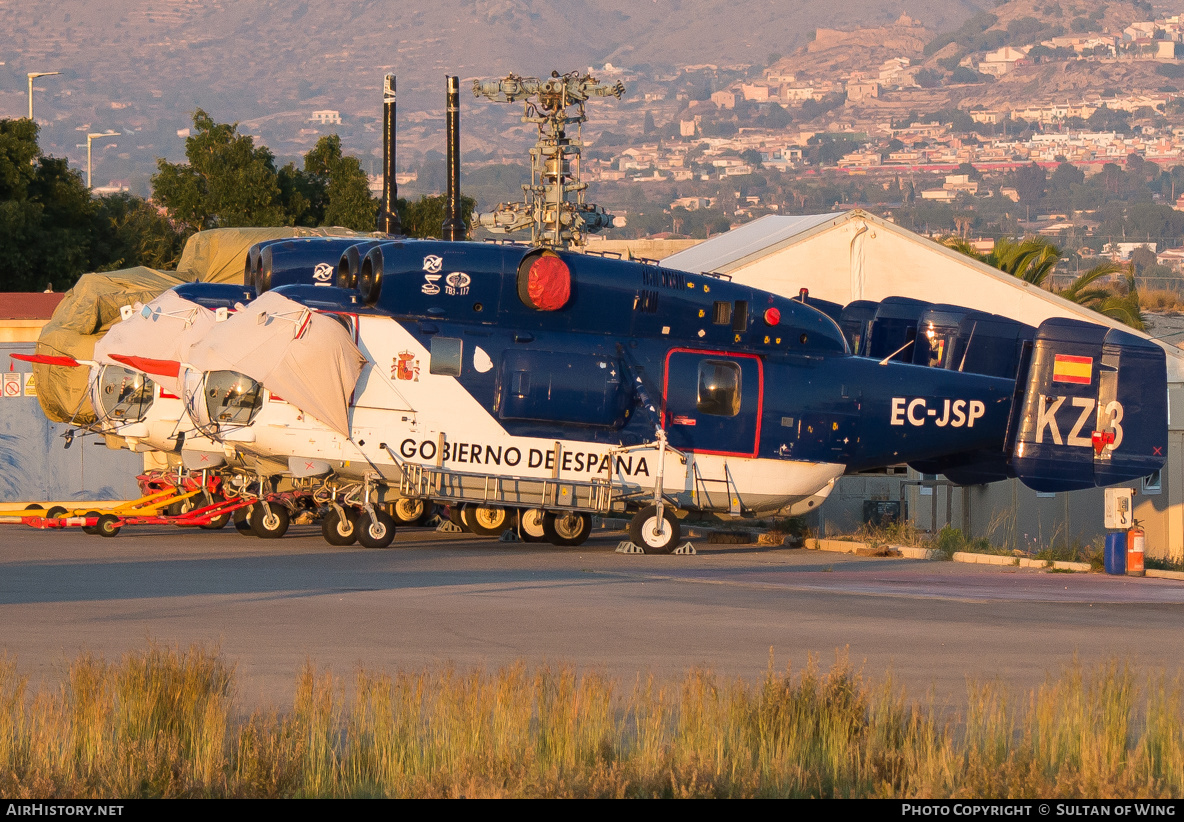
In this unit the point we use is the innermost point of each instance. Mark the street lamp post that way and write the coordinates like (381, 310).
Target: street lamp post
(90, 138)
(33, 75)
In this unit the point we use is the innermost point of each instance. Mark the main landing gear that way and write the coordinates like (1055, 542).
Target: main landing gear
(656, 534)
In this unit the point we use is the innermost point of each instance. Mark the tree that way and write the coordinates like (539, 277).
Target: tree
(776, 117)
(1065, 176)
(425, 217)
(1029, 183)
(228, 181)
(1033, 260)
(130, 232)
(347, 199)
(52, 229)
(46, 214)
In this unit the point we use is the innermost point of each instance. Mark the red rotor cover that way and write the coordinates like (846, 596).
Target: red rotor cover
(549, 283)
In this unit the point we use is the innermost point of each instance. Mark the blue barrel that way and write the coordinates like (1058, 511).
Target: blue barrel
(1115, 556)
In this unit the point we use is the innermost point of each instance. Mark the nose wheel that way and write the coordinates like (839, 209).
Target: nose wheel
(270, 521)
(340, 528)
(375, 529)
(657, 535)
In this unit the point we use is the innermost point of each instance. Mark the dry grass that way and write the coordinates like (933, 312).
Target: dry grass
(161, 723)
(1163, 301)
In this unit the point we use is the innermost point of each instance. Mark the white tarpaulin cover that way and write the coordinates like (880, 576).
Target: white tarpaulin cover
(315, 369)
(172, 325)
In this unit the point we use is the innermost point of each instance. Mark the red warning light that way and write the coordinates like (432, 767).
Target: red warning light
(549, 283)
(772, 316)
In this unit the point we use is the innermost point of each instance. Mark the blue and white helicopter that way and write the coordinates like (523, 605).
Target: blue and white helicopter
(537, 387)
(531, 386)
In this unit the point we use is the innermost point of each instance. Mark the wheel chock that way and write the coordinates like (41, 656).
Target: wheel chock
(627, 547)
(447, 527)
(685, 548)
(434, 521)
(507, 536)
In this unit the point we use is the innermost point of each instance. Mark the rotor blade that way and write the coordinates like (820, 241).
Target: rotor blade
(46, 359)
(163, 368)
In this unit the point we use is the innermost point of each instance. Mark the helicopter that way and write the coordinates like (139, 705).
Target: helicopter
(535, 387)
(528, 386)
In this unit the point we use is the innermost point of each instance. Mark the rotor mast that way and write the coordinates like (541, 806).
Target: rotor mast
(554, 208)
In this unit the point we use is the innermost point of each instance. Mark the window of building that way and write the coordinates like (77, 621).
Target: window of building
(1153, 483)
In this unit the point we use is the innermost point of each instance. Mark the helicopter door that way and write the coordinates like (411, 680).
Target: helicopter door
(712, 401)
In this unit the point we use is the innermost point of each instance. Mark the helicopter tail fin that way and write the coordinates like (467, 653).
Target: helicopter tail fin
(1090, 408)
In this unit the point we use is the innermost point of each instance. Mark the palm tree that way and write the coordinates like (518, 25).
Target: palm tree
(1033, 260)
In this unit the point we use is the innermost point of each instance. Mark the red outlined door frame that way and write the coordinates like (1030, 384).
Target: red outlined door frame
(760, 396)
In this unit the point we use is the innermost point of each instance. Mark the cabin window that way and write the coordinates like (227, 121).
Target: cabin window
(446, 356)
(721, 314)
(232, 398)
(125, 395)
(719, 388)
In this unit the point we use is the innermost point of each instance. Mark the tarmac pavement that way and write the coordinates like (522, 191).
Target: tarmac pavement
(435, 599)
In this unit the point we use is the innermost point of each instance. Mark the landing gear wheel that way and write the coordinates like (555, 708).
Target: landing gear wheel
(242, 521)
(91, 529)
(409, 511)
(271, 525)
(375, 531)
(56, 512)
(654, 535)
(530, 525)
(339, 530)
(217, 522)
(486, 520)
(566, 527)
(108, 525)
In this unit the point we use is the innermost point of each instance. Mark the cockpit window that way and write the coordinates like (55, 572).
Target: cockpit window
(232, 398)
(124, 395)
(719, 388)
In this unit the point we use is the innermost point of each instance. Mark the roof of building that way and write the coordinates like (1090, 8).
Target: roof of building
(19, 305)
(735, 249)
(757, 238)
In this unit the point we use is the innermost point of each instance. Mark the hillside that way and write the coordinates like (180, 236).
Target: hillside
(142, 66)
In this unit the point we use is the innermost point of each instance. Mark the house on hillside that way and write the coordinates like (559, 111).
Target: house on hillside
(724, 99)
(862, 90)
(1000, 61)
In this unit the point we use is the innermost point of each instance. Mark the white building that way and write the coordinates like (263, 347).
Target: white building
(328, 117)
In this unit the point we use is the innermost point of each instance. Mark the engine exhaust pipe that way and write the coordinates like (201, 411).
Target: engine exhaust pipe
(388, 214)
(454, 227)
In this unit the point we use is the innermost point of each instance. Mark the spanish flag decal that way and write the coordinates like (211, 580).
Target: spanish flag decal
(1075, 370)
